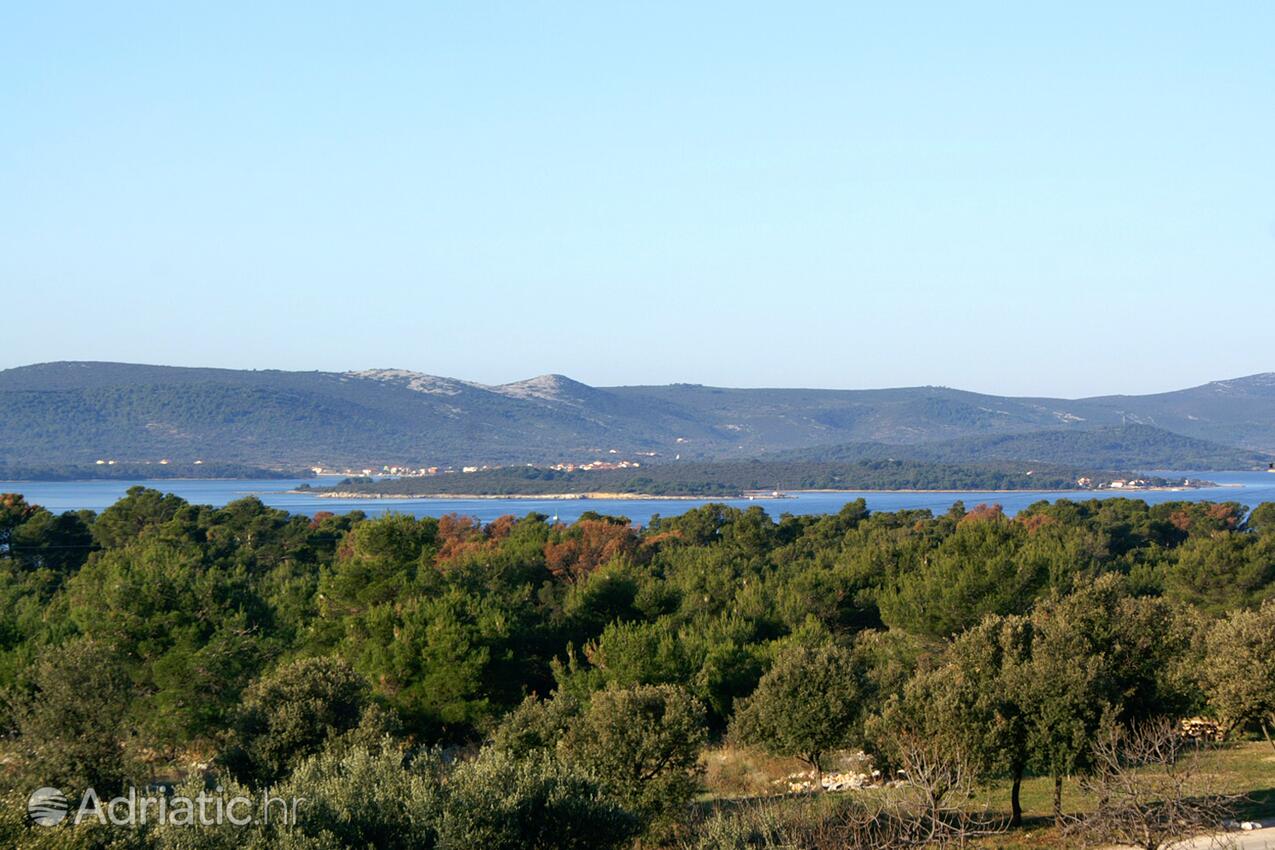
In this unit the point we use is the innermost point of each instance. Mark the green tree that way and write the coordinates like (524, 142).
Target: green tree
(192, 635)
(1099, 655)
(974, 704)
(72, 728)
(805, 706)
(436, 659)
(141, 508)
(291, 713)
(379, 560)
(1239, 669)
(14, 511)
(1222, 572)
(1262, 519)
(643, 744)
(57, 542)
(974, 572)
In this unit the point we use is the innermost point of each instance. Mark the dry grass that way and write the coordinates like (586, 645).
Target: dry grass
(735, 773)
(1246, 768)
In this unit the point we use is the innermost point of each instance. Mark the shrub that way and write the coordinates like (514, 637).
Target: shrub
(643, 744)
(70, 729)
(498, 802)
(290, 714)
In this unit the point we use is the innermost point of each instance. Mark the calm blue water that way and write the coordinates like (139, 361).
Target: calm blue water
(1249, 488)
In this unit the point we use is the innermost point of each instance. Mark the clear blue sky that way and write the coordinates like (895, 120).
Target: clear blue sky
(1072, 199)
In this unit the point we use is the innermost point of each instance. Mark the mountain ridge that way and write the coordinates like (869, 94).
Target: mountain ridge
(79, 411)
(1126, 447)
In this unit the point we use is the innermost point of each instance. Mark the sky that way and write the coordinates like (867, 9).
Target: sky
(1024, 198)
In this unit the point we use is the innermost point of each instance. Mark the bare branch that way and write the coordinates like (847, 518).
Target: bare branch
(1150, 793)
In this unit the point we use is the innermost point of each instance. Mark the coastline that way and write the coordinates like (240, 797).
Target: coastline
(603, 496)
(1172, 488)
(539, 497)
(789, 494)
(108, 480)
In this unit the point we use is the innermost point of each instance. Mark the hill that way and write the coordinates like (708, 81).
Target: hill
(73, 413)
(1141, 447)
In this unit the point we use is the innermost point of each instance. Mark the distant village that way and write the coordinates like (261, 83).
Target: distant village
(1118, 484)
(600, 465)
(425, 471)
(162, 462)
(1139, 484)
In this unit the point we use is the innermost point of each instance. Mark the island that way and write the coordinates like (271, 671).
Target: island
(742, 479)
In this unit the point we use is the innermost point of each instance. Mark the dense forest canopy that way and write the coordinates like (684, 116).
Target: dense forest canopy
(288, 649)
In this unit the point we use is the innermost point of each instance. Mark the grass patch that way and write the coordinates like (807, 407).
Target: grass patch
(1246, 769)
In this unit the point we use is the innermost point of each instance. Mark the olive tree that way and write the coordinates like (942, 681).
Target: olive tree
(536, 725)
(643, 744)
(973, 707)
(805, 706)
(291, 713)
(1099, 655)
(537, 802)
(1239, 676)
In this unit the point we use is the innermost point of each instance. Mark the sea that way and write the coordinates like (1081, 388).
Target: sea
(1247, 488)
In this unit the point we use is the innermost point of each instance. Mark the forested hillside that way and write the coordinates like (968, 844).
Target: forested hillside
(74, 413)
(601, 666)
(1129, 447)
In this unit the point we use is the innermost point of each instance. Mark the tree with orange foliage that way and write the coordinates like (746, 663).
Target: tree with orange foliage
(461, 536)
(574, 553)
(983, 513)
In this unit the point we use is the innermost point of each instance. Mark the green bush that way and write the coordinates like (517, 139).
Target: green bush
(498, 802)
(71, 730)
(290, 714)
(643, 744)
